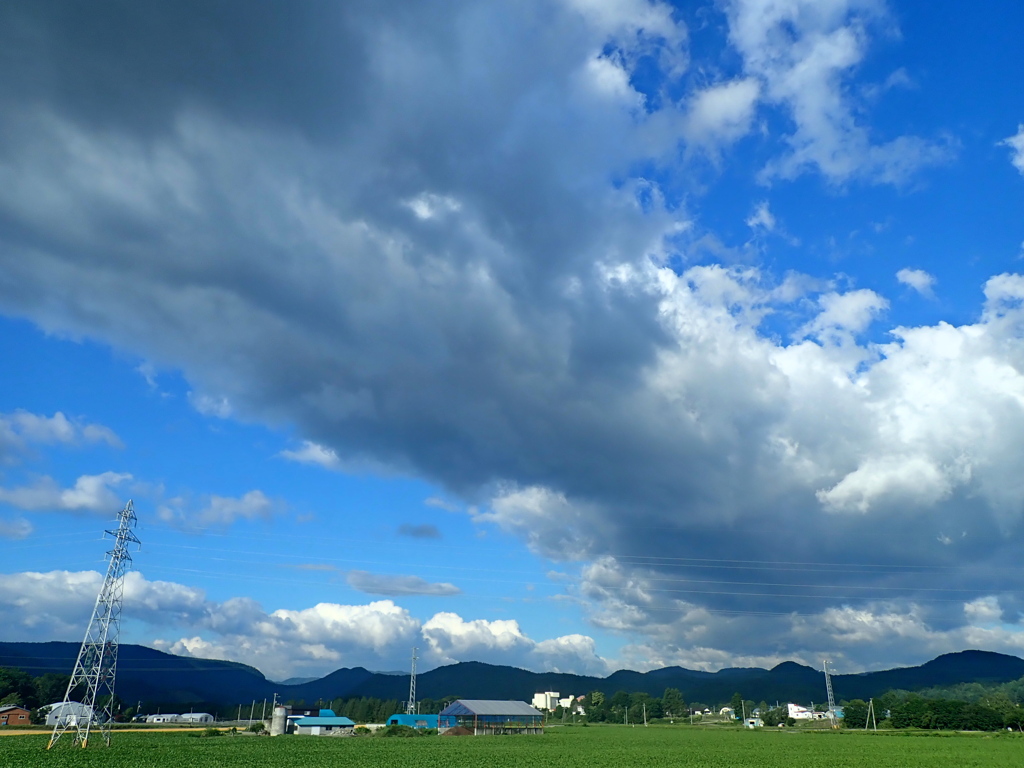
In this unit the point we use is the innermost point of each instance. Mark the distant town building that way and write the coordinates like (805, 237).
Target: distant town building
(14, 715)
(753, 722)
(800, 713)
(547, 700)
(482, 717)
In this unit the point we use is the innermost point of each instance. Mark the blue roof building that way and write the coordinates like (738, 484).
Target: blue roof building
(414, 721)
(326, 723)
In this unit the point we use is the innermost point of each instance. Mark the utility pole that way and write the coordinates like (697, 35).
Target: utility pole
(871, 716)
(645, 714)
(96, 665)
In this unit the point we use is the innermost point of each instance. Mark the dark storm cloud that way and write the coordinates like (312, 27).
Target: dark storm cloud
(421, 238)
(421, 531)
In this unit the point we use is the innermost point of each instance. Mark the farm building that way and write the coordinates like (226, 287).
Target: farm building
(196, 717)
(69, 712)
(325, 724)
(546, 700)
(414, 721)
(14, 716)
(166, 718)
(483, 718)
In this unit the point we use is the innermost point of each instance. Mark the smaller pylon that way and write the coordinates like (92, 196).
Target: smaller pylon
(410, 707)
(96, 665)
(831, 700)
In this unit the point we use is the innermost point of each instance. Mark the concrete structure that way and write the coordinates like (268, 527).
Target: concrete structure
(279, 721)
(415, 721)
(547, 700)
(196, 717)
(325, 724)
(483, 717)
(67, 713)
(14, 715)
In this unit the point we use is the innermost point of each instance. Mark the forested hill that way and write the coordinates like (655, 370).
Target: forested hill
(150, 675)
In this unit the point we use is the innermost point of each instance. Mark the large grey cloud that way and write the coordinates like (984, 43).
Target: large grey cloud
(423, 239)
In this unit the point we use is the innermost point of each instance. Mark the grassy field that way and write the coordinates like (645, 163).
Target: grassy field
(668, 747)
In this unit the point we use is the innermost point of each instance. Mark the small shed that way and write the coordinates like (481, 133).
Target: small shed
(14, 715)
(325, 724)
(414, 721)
(483, 717)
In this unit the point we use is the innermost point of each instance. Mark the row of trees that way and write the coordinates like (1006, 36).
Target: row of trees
(19, 688)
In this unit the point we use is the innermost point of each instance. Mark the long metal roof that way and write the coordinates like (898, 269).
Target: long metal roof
(488, 707)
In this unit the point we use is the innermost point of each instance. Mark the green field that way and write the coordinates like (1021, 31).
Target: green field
(678, 747)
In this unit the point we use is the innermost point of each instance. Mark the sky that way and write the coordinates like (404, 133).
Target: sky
(572, 335)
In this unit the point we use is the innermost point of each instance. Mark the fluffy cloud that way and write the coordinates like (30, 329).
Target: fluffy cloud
(918, 279)
(425, 250)
(56, 605)
(721, 114)
(1016, 145)
(215, 511)
(802, 52)
(20, 429)
(92, 493)
(15, 528)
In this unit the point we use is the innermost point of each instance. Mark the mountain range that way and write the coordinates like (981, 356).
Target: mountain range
(148, 675)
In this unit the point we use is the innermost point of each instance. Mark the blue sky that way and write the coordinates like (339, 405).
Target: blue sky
(577, 335)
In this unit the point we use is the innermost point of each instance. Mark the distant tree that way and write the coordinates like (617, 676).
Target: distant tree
(762, 708)
(18, 687)
(672, 701)
(978, 717)
(775, 716)
(737, 705)
(855, 713)
(51, 687)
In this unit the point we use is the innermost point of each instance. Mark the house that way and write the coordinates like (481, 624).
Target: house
(325, 724)
(68, 713)
(14, 715)
(753, 722)
(482, 717)
(414, 721)
(800, 713)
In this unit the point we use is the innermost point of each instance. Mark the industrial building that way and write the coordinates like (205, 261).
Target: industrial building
(414, 721)
(481, 717)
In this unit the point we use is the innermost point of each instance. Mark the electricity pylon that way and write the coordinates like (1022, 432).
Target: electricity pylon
(410, 708)
(97, 659)
(831, 699)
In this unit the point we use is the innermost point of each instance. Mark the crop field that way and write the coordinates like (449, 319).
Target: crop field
(618, 747)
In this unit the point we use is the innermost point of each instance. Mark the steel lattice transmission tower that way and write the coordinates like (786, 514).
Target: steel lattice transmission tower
(831, 698)
(410, 708)
(97, 660)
